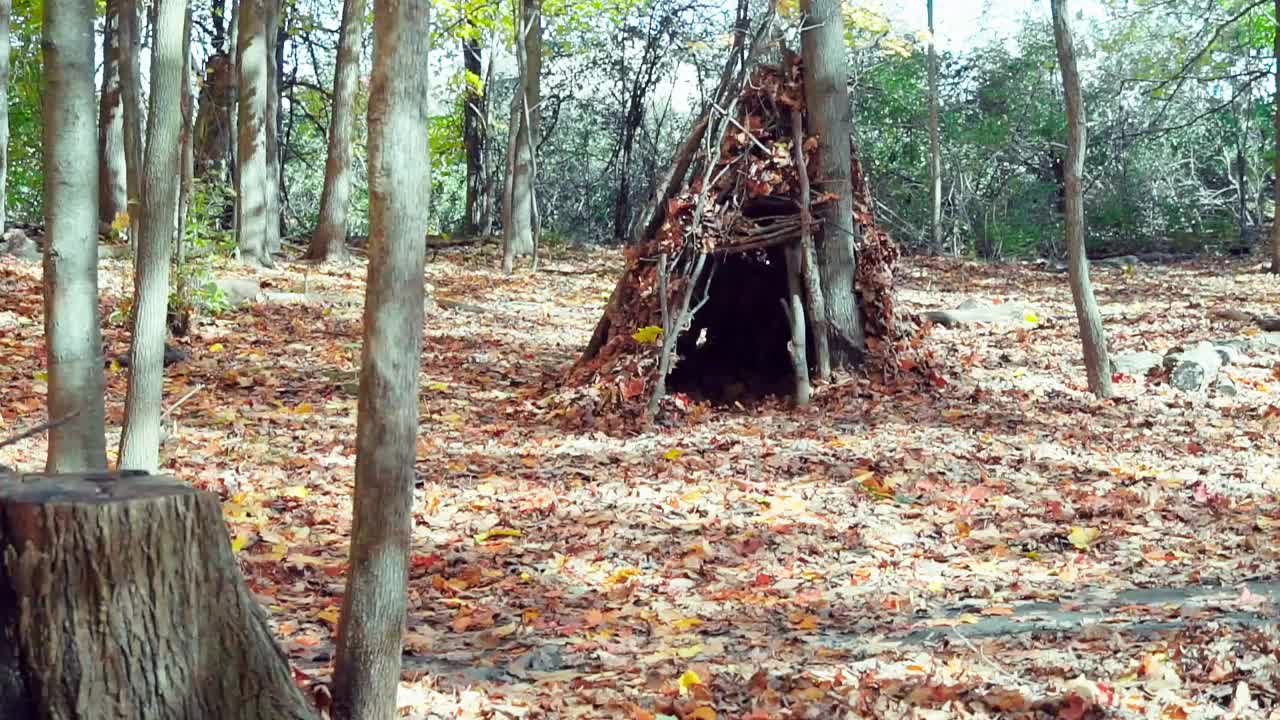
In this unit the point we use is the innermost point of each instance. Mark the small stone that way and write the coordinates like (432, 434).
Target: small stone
(1135, 363)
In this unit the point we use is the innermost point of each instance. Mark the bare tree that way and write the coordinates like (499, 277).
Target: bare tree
(274, 34)
(1094, 340)
(140, 440)
(367, 666)
(131, 101)
(475, 132)
(252, 176)
(112, 178)
(519, 201)
(827, 97)
(329, 243)
(73, 338)
(935, 143)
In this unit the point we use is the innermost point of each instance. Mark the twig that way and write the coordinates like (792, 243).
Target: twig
(181, 400)
(51, 424)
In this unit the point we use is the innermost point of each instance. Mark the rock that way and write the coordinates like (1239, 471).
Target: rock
(1121, 262)
(974, 312)
(17, 244)
(239, 291)
(1193, 370)
(172, 355)
(1226, 387)
(1135, 363)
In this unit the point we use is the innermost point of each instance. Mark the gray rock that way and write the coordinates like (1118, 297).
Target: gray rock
(974, 312)
(17, 244)
(1122, 261)
(1194, 369)
(1135, 363)
(1225, 387)
(239, 291)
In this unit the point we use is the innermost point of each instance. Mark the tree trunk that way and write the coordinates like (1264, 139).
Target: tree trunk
(474, 133)
(253, 183)
(112, 175)
(188, 153)
(73, 338)
(140, 440)
(1094, 340)
(275, 59)
(827, 98)
(519, 207)
(212, 139)
(119, 597)
(1275, 222)
(131, 99)
(367, 664)
(935, 144)
(330, 240)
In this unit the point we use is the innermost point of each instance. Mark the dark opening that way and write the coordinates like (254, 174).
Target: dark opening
(736, 346)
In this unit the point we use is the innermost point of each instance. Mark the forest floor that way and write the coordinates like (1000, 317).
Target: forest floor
(1004, 546)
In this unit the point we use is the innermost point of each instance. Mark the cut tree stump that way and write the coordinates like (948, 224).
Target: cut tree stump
(120, 598)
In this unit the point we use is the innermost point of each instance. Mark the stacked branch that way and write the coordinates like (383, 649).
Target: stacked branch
(748, 189)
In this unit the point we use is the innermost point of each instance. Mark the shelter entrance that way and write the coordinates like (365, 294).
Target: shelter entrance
(736, 347)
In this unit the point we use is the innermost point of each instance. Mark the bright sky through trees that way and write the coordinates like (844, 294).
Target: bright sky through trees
(962, 23)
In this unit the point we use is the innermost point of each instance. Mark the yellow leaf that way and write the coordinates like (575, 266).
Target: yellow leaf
(1031, 317)
(216, 347)
(438, 386)
(297, 491)
(702, 712)
(498, 532)
(621, 575)
(42, 376)
(690, 651)
(647, 335)
(238, 543)
(672, 454)
(1083, 537)
(120, 221)
(686, 623)
(688, 680)
(305, 408)
(329, 615)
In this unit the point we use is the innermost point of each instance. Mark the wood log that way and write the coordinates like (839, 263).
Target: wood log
(120, 598)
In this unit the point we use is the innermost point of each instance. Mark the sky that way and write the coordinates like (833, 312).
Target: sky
(962, 23)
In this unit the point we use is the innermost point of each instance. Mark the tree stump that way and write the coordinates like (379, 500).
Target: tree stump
(120, 598)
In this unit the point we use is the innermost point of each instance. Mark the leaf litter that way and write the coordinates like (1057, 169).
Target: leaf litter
(1003, 546)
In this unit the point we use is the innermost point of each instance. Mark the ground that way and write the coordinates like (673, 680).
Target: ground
(1004, 546)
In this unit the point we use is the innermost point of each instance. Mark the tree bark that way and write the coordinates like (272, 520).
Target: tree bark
(73, 338)
(1275, 222)
(274, 35)
(119, 597)
(519, 207)
(140, 439)
(1094, 340)
(213, 137)
(827, 98)
(253, 182)
(131, 99)
(6, 12)
(188, 151)
(474, 133)
(112, 174)
(935, 144)
(370, 633)
(330, 240)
